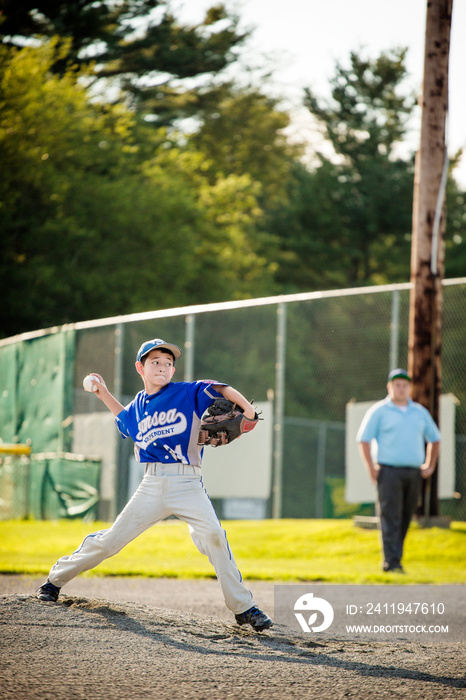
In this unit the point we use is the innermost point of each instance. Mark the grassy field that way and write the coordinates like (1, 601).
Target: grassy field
(333, 551)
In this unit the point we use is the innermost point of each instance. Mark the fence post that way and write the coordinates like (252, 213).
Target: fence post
(278, 413)
(118, 368)
(320, 471)
(189, 348)
(394, 330)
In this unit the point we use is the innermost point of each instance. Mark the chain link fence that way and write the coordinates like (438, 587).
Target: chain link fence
(307, 354)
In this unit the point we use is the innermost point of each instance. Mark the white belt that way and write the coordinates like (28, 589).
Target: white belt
(171, 469)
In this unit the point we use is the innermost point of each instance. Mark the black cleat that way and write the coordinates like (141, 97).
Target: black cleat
(393, 567)
(48, 592)
(256, 618)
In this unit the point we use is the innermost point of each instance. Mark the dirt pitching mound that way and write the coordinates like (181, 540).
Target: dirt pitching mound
(94, 648)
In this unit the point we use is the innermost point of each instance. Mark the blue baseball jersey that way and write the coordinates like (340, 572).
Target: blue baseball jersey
(165, 426)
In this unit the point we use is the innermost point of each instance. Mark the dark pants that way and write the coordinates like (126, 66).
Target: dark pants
(398, 494)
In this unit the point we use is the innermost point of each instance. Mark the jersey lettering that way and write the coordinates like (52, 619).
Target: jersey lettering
(178, 425)
(161, 418)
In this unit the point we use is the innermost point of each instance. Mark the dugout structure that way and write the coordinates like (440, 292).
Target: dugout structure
(304, 356)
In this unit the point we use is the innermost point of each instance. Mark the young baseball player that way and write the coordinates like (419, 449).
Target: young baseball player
(164, 421)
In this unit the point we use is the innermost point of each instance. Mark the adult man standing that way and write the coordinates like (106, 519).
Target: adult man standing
(408, 443)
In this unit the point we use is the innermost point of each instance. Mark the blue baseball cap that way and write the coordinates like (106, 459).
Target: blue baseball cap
(398, 374)
(157, 344)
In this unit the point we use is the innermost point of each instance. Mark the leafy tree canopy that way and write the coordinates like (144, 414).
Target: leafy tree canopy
(350, 219)
(137, 46)
(243, 131)
(369, 112)
(91, 226)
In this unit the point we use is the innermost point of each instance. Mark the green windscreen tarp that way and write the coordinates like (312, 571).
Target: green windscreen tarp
(37, 391)
(49, 486)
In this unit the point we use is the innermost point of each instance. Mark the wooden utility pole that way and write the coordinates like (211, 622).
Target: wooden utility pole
(427, 252)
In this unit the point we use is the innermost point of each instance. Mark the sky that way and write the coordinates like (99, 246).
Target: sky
(306, 38)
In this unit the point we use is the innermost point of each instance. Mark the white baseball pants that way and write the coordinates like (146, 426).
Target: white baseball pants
(156, 498)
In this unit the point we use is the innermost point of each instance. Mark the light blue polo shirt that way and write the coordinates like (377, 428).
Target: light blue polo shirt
(400, 434)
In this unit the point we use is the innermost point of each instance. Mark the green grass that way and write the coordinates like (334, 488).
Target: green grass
(333, 551)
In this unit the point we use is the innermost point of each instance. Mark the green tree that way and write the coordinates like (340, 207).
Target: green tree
(243, 131)
(138, 47)
(455, 235)
(231, 254)
(91, 226)
(349, 221)
(323, 231)
(369, 113)
(68, 168)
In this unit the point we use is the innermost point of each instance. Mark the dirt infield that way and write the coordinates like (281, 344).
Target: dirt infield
(170, 639)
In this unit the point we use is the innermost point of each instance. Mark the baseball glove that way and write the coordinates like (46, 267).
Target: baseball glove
(223, 423)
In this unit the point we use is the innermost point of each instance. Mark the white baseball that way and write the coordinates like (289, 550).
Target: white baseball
(87, 382)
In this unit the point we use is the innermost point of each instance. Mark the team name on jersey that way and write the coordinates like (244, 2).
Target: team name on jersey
(163, 423)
